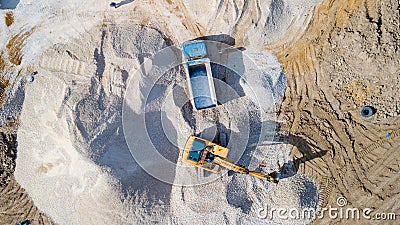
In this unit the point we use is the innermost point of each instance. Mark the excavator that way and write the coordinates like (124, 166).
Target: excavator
(211, 157)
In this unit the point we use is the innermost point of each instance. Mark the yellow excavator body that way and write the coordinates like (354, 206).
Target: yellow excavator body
(195, 153)
(211, 157)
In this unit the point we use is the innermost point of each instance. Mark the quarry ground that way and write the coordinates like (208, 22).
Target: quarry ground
(347, 57)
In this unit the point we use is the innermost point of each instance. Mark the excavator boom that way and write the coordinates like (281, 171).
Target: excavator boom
(230, 165)
(273, 177)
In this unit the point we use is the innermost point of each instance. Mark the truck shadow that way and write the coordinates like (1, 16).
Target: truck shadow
(223, 38)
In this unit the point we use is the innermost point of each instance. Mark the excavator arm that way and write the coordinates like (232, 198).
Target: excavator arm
(230, 165)
(272, 177)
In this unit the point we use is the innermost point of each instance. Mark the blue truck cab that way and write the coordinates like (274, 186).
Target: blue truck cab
(198, 74)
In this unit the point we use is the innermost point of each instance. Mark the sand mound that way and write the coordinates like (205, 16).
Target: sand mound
(74, 159)
(89, 133)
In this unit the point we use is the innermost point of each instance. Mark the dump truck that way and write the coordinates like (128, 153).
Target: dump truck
(211, 157)
(198, 75)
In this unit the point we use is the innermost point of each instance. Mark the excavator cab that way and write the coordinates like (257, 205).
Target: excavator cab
(201, 153)
(211, 157)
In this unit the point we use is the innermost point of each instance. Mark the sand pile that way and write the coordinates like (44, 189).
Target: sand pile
(87, 141)
(78, 131)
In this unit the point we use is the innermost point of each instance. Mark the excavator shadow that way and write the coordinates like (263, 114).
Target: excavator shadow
(308, 151)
